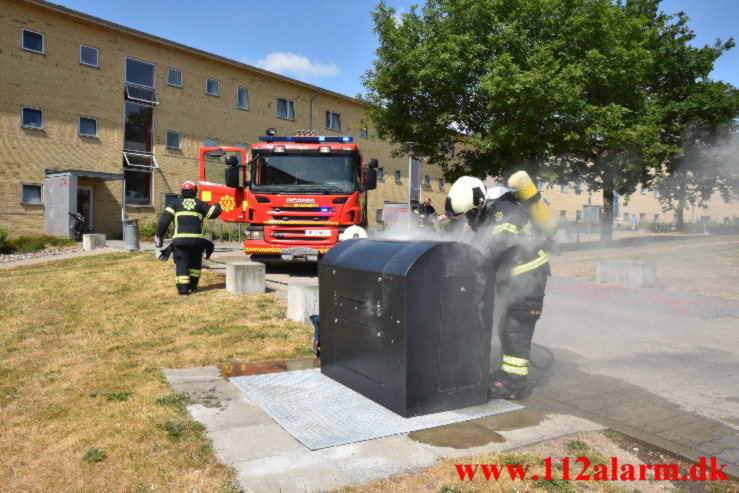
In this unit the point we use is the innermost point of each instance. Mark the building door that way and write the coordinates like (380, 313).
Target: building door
(84, 203)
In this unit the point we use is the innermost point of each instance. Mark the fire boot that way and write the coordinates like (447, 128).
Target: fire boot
(507, 386)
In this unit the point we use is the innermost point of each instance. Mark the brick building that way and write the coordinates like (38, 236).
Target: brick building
(92, 112)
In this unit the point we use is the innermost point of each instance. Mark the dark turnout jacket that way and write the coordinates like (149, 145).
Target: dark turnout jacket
(188, 215)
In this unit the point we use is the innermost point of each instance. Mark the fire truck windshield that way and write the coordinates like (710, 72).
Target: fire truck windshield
(305, 173)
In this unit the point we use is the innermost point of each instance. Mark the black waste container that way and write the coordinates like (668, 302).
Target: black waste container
(407, 324)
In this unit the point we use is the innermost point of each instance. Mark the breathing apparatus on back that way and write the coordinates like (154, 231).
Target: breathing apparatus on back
(528, 195)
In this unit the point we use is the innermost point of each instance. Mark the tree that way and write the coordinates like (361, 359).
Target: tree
(561, 88)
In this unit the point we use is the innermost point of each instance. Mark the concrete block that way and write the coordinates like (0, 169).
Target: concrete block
(93, 241)
(302, 301)
(245, 277)
(626, 273)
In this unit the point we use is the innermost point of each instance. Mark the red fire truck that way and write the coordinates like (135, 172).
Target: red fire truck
(299, 194)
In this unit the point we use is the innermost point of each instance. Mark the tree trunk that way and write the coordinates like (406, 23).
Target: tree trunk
(680, 223)
(606, 225)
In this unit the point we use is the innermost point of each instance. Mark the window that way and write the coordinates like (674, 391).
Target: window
(562, 215)
(88, 127)
(656, 218)
(242, 98)
(88, 56)
(642, 217)
(169, 198)
(31, 194)
(212, 87)
(333, 121)
(138, 186)
(138, 132)
(380, 173)
(174, 77)
(378, 215)
(210, 142)
(363, 129)
(578, 215)
(173, 140)
(580, 187)
(441, 184)
(626, 216)
(563, 189)
(32, 41)
(427, 181)
(285, 109)
(140, 81)
(643, 190)
(540, 186)
(397, 176)
(32, 118)
(656, 193)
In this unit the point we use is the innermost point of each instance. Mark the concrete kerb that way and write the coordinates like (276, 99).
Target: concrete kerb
(626, 273)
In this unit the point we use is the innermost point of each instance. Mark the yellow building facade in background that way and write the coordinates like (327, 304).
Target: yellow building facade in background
(92, 113)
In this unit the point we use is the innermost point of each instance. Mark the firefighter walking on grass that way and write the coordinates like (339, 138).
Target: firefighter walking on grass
(189, 241)
(513, 244)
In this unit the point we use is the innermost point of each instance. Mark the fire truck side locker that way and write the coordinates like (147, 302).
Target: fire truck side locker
(407, 324)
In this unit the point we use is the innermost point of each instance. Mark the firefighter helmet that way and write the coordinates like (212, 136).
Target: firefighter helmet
(189, 189)
(465, 194)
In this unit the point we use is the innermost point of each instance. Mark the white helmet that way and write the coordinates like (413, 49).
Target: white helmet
(466, 193)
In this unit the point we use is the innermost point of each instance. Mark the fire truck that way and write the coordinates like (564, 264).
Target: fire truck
(298, 194)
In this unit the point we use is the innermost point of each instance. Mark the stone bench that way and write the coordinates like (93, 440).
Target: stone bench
(302, 301)
(93, 241)
(245, 278)
(626, 273)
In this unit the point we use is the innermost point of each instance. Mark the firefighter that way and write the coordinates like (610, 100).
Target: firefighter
(426, 213)
(514, 248)
(189, 241)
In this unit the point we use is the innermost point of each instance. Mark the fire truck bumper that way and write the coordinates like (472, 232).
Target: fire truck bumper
(299, 254)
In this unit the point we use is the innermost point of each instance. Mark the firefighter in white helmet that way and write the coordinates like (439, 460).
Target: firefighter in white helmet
(513, 245)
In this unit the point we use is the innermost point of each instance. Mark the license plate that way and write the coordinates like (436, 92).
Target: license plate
(317, 232)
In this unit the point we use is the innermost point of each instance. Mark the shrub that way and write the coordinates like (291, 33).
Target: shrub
(4, 241)
(93, 455)
(147, 230)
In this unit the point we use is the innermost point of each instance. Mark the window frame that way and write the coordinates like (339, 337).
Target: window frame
(164, 198)
(218, 87)
(363, 129)
(238, 90)
(179, 140)
(125, 72)
(563, 188)
(205, 141)
(79, 127)
(289, 104)
(441, 184)
(170, 70)
(427, 181)
(97, 56)
(398, 177)
(41, 193)
(43, 41)
(134, 169)
(380, 173)
(331, 118)
(30, 127)
(151, 132)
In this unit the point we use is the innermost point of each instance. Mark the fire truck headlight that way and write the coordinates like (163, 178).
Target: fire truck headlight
(324, 149)
(254, 235)
(278, 149)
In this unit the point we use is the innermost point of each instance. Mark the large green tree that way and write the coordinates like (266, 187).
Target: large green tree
(562, 88)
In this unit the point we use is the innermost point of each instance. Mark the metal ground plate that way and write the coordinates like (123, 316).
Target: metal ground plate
(320, 412)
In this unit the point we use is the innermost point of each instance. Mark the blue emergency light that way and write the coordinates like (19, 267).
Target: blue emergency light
(305, 138)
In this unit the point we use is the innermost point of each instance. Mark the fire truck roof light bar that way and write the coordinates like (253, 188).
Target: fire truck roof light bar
(305, 138)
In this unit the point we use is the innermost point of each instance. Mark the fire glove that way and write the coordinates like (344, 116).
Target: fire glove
(209, 249)
(158, 241)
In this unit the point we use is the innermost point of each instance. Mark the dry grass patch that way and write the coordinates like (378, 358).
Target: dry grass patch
(83, 403)
(707, 266)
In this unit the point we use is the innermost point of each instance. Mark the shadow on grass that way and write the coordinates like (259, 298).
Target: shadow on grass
(212, 287)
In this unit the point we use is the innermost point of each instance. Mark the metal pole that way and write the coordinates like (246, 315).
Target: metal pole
(409, 146)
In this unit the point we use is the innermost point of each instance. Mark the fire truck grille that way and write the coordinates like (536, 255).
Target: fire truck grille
(280, 217)
(297, 209)
(295, 235)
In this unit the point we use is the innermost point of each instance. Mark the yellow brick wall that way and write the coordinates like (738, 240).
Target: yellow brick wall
(56, 82)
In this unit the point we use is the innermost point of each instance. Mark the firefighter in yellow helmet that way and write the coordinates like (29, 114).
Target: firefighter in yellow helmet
(513, 245)
(189, 242)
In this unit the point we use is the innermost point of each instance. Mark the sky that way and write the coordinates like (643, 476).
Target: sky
(330, 43)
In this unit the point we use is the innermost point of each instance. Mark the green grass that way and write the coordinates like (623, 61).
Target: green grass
(30, 244)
